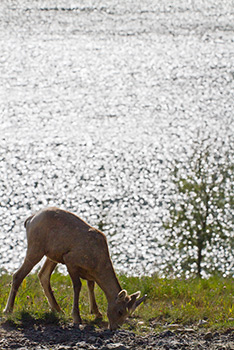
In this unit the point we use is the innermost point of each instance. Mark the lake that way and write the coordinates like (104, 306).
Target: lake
(96, 98)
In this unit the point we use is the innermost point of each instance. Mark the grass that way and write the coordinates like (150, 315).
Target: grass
(186, 303)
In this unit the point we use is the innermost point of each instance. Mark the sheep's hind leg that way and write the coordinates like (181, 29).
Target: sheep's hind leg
(29, 262)
(44, 276)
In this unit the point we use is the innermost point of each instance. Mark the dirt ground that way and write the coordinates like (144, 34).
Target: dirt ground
(41, 336)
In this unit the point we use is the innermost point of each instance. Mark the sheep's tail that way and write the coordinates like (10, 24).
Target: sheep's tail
(27, 220)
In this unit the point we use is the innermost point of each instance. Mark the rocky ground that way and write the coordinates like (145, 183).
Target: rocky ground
(87, 337)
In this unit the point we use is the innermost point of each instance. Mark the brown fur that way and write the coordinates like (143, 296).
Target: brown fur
(64, 238)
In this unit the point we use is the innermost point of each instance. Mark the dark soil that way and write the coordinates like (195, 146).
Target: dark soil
(50, 336)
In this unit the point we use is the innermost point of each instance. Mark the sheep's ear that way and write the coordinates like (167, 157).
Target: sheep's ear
(122, 295)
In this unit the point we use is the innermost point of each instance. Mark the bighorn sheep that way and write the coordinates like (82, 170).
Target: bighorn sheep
(64, 238)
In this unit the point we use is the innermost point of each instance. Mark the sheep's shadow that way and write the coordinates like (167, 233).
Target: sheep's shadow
(49, 330)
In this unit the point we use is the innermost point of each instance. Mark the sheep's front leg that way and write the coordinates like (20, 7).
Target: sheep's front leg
(76, 289)
(93, 305)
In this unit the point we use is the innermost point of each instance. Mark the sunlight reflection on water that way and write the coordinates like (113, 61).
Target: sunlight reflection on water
(94, 101)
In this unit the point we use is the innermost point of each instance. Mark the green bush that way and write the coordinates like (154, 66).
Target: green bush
(199, 227)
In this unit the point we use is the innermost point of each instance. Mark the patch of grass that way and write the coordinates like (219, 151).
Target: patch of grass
(190, 303)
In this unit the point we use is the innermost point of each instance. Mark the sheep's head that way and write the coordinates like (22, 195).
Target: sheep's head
(123, 306)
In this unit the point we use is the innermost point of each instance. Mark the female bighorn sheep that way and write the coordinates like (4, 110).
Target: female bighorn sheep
(64, 238)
